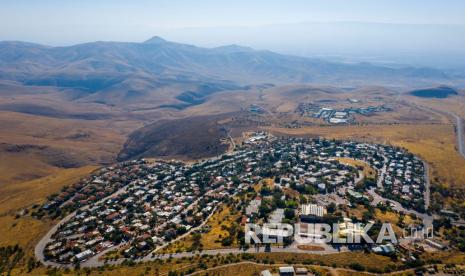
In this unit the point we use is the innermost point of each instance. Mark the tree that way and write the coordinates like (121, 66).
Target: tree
(289, 213)
(331, 208)
(196, 241)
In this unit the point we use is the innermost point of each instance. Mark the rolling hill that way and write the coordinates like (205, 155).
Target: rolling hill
(157, 83)
(131, 71)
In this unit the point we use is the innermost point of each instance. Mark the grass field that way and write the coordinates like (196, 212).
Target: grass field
(368, 171)
(245, 268)
(36, 146)
(14, 197)
(369, 261)
(387, 217)
(25, 230)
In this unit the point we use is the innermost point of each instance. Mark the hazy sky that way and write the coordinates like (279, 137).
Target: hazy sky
(70, 21)
(268, 24)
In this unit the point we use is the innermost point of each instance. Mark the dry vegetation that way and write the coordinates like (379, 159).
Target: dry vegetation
(17, 226)
(246, 268)
(368, 171)
(394, 218)
(217, 225)
(369, 261)
(36, 146)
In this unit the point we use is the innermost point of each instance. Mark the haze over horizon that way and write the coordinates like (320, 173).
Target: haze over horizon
(415, 32)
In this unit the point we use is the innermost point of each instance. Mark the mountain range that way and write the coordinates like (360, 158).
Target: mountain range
(126, 69)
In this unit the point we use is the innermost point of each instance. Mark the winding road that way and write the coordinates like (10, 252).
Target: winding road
(39, 248)
(96, 261)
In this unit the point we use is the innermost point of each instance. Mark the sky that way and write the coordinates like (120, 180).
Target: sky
(318, 27)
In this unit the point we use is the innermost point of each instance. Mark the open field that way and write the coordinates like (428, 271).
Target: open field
(20, 195)
(369, 261)
(368, 171)
(249, 268)
(210, 266)
(36, 146)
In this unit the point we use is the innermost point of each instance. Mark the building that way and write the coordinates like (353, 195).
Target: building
(312, 213)
(286, 271)
(84, 255)
(265, 273)
(337, 121)
(321, 187)
(340, 114)
(277, 216)
(253, 206)
(435, 244)
(301, 271)
(350, 230)
(308, 230)
(384, 249)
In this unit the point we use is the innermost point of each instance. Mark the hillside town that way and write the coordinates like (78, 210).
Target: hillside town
(146, 204)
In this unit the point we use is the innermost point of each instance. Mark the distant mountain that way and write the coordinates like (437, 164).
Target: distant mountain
(103, 67)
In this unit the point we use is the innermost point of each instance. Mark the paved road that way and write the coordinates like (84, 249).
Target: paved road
(152, 257)
(39, 248)
(459, 124)
(233, 143)
(460, 139)
(427, 186)
(427, 219)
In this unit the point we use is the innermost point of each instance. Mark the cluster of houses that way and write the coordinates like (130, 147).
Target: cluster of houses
(143, 205)
(337, 116)
(164, 201)
(403, 179)
(101, 184)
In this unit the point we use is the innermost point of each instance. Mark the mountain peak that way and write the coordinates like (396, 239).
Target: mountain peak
(155, 40)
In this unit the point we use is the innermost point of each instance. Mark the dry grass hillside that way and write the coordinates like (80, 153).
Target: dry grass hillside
(36, 146)
(18, 200)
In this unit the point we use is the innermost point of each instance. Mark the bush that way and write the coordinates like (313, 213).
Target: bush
(357, 266)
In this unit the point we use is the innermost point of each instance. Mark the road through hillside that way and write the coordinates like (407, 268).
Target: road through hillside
(458, 124)
(460, 141)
